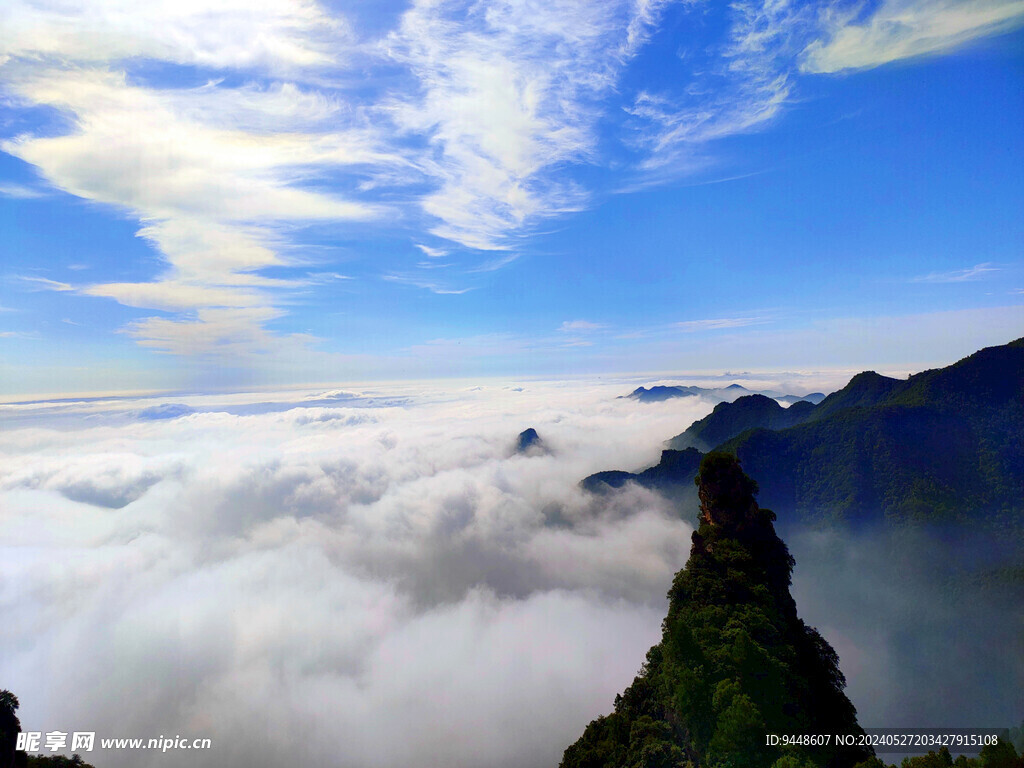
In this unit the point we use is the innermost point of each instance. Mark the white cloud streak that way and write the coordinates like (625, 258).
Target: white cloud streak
(45, 284)
(720, 323)
(977, 272)
(903, 29)
(577, 326)
(432, 253)
(20, 192)
(279, 35)
(233, 334)
(431, 285)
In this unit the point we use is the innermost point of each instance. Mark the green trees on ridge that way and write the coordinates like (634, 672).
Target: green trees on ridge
(735, 661)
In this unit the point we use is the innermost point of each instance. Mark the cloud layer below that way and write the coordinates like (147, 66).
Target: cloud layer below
(376, 578)
(368, 584)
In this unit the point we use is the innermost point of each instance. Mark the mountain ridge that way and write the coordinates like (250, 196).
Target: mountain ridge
(660, 392)
(946, 444)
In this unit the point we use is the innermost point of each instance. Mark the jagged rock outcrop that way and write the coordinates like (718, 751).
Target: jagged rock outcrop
(530, 444)
(735, 661)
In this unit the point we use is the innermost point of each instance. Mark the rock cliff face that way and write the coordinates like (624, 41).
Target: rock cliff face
(735, 661)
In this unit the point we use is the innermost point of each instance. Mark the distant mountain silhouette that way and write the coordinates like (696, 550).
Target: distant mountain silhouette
(166, 411)
(735, 661)
(945, 444)
(529, 443)
(659, 393)
(676, 468)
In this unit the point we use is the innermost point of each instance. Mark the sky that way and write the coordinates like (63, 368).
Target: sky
(286, 192)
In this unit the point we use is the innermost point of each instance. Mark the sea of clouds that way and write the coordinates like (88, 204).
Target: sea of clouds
(348, 578)
(366, 577)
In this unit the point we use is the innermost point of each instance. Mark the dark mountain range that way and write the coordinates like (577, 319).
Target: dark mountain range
(814, 397)
(864, 390)
(945, 444)
(657, 394)
(730, 419)
(660, 393)
(675, 470)
(735, 661)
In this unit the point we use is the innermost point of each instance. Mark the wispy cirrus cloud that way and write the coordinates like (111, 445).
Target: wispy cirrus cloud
(20, 191)
(508, 93)
(45, 283)
(719, 323)
(577, 326)
(902, 29)
(216, 173)
(173, 296)
(746, 83)
(215, 189)
(977, 272)
(434, 286)
(753, 73)
(432, 253)
(219, 333)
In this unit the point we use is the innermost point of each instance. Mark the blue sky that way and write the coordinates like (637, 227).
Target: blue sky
(289, 192)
